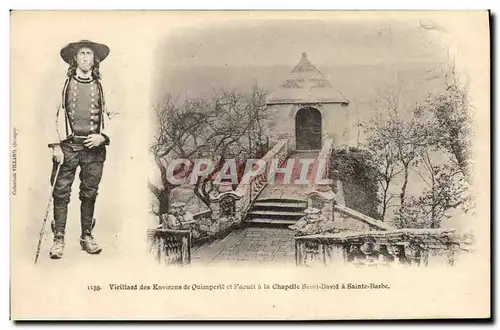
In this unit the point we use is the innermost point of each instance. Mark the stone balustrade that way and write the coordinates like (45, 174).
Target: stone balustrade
(323, 158)
(203, 223)
(365, 221)
(170, 246)
(248, 192)
(413, 247)
(321, 195)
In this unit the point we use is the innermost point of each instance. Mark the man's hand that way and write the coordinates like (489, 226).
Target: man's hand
(57, 154)
(94, 140)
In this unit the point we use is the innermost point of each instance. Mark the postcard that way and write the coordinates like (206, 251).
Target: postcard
(250, 165)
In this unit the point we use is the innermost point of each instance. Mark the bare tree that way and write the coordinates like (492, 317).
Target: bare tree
(397, 136)
(214, 129)
(386, 160)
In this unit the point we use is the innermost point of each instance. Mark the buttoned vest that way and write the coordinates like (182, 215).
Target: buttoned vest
(84, 104)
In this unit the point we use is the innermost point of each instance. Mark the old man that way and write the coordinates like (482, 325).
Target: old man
(82, 125)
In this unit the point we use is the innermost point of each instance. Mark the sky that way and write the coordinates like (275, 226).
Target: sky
(280, 42)
(362, 59)
(359, 57)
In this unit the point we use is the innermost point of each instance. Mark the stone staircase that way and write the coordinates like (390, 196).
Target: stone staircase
(282, 204)
(275, 212)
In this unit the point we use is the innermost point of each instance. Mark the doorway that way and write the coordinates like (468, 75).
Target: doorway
(308, 129)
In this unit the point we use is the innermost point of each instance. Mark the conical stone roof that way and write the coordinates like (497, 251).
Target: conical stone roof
(306, 84)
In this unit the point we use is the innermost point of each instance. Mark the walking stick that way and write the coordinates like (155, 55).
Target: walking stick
(49, 204)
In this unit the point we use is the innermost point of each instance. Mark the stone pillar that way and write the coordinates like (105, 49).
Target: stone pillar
(323, 198)
(335, 254)
(413, 252)
(223, 207)
(223, 189)
(340, 192)
(339, 186)
(396, 252)
(371, 250)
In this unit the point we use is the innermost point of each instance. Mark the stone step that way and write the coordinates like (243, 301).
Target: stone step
(275, 213)
(267, 221)
(265, 204)
(281, 200)
(306, 152)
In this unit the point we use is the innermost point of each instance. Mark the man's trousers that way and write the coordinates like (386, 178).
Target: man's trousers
(91, 162)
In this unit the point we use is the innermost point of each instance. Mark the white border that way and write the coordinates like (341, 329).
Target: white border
(254, 4)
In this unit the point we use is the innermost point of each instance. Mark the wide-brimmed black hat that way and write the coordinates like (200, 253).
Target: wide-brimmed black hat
(100, 51)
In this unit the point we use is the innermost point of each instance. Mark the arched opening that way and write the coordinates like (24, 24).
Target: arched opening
(308, 129)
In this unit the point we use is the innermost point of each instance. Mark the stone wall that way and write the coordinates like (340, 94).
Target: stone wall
(206, 227)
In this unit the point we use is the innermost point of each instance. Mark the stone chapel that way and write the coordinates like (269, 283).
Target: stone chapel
(306, 109)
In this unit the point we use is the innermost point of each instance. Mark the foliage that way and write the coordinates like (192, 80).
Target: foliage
(354, 167)
(446, 190)
(452, 123)
(432, 139)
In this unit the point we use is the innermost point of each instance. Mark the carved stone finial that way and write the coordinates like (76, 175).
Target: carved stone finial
(225, 186)
(323, 187)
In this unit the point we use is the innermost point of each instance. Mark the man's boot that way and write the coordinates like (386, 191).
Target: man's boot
(57, 249)
(58, 228)
(87, 241)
